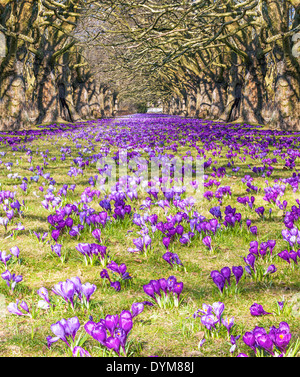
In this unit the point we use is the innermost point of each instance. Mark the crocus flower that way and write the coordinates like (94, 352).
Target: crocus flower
(55, 234)
(111, 323)
(257, 310)
(113, 343)
(136, 308)
(209, 321)
(225, 271)
(104, 274)
(64, 329)
(116, 285)
(43, 293)
(218, 308)
(271, 269)
(56, 249)
(228, 323)
(266, 343)
(250, 259)
(4, 258)
(249, 340)
(237, 272)
(88, 289)
(97, 234)
(284, 255)
(13, 308)
(80, 352)
(253, 230)
(207, 241)
(125, 321)
(97, 331)
(218, 279)
(11, 278)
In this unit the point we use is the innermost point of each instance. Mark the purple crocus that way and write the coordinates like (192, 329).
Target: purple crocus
(64, 329)
(97, 331)
(55, 234)
(226, 272)
(209, 321)
(228, 323)
(80, 352)
(218, 308)
(250, 259)
(237, 272)
(265, 342)
(96, 233)
(136, 308)
(4, 258)
(43, 293)
(271, 269)
(249, 340)
(116, 285)
(111, 323)
(87, 290)
(285, 256)
(56, 249)
(11, 279)
(207, 242)
(257, 310)
(253, 230)
(218, 279)
(13, 308)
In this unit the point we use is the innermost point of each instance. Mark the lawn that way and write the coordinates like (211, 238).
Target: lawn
(58, 172)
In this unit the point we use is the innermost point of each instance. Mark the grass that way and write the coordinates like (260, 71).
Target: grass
(162, 332)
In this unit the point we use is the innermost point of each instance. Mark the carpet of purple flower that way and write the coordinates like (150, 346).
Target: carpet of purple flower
(100, 261)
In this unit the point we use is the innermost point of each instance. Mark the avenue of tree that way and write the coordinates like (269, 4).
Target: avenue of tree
(215, 59)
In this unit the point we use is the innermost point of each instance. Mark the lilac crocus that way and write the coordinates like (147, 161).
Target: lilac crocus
(64, 329)
(56, 249)
(88, 289)
(97, 331)
(96, 233)
(55, 234)
(218, 279)
(218, 308)
(80, 352)
(111, 323)
(136, 308)
(271, 269)
(4, 258)
(228, 323)
(209, 321)
(43, 293)
(11, 279)
(13, 308)
(207, 242)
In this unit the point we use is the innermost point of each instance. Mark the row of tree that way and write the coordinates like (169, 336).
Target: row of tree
(214, 59)
(44, 75)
